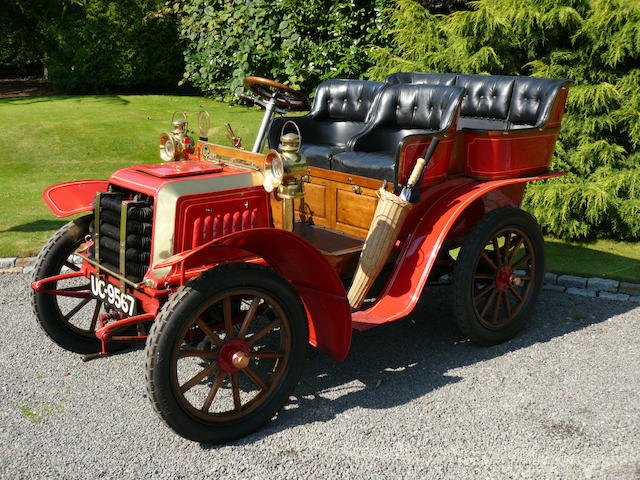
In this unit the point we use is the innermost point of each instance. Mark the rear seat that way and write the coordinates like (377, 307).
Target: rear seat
(495, 102)
(339, 112)
(402, 110)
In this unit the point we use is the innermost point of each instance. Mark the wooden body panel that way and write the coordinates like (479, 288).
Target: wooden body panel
(335, 200)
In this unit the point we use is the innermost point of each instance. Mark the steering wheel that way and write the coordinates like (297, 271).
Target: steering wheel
(286, 97)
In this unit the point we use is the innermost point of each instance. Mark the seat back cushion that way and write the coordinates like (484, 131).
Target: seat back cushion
(533, 100)
(408, 109)
(344, 100)
(421, 78)
(487, 100)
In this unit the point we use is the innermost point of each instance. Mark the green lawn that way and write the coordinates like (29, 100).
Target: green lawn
(47, 140)
(602, 258)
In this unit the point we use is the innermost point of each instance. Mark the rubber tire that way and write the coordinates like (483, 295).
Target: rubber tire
(179, 309)
(464, 311)
(48, 263)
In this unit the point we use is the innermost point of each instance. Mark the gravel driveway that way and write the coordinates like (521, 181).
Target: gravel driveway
(411, 401)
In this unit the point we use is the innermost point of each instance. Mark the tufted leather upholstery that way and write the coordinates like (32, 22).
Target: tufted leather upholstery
(403, 110)
(419, 78)
(532, 101)
(339, 112)
(496, 102)
(487, 98)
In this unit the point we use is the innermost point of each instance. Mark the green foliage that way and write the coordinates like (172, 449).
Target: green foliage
(100, 45)
(299, 43)
(594, 43)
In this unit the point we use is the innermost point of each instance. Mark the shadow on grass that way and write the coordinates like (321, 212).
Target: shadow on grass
(106, 99)
(37, 226)
(393, 364)
(587, 262)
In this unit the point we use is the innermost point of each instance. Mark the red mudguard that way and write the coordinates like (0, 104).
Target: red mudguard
(301, 264)
(406, 282)
(69, 198)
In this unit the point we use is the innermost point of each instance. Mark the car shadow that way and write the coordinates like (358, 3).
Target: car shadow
(37, 226)
(396, 363)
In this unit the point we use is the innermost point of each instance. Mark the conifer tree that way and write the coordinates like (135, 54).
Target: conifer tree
(595, 44)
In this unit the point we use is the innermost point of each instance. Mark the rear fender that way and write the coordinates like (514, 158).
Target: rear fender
(415, 261)
(69, 198)
(318, 284)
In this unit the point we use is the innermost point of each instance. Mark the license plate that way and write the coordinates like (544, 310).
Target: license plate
(112, 296)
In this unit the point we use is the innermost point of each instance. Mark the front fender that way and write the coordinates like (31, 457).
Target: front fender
(415, 261)
(303, 265)
(69, 198)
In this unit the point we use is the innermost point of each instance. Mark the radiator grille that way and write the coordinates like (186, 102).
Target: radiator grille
(129, 255)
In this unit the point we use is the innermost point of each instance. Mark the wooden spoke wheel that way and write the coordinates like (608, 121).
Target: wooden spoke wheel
(69, 316)
(498, 276)
(225, 352)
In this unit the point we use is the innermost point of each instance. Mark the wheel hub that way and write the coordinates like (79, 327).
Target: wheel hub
(505, 277)
(234, 355)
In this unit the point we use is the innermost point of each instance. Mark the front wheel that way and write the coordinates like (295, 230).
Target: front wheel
(225, 352)
(498, 276)
(69, 317)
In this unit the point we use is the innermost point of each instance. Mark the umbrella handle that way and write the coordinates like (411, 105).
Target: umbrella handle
(417, 170)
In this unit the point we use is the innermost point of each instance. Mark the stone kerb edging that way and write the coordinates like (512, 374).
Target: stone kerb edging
(586, 287)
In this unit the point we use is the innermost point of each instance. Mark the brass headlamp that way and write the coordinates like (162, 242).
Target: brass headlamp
(284, 171)
(175, 145)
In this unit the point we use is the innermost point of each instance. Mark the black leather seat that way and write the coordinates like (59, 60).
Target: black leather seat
(486, 102)
(339, 112)
(495, 102)
(402, 110)
(532, 101)
(421, 78)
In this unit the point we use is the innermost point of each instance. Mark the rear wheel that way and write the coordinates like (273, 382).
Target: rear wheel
(225, 352)
(498, 276)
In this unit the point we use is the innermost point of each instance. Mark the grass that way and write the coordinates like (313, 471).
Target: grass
(601, 258)
(47, 140)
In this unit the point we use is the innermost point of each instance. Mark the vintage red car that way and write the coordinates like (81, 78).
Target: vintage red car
(228, 262)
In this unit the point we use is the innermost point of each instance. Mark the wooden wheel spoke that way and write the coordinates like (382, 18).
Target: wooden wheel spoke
(525, 258)
(265, 331)
(496, 251)
(94, 317)
(235, 387)
(266, 354)
(484, 291)
(489, 302)
(482, 276)
(496, 307)
(506, 305)
(77, 308)
(71, 266)
(515, 293)
(515, 249)
(255, 378)
(486, 258)
(505, 248)
(214, 389)
(209, 333)
(244, 328)
(228, 324)
(209, 354)
(188, 385)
